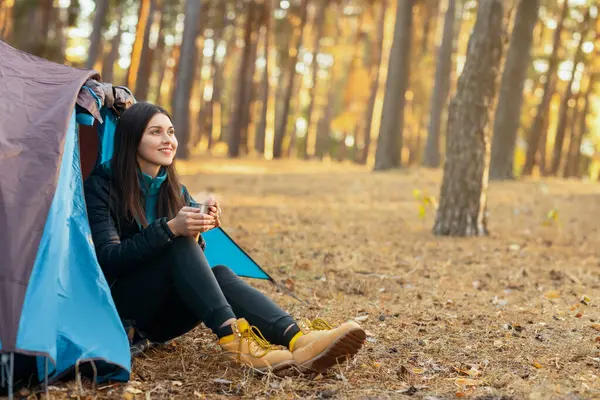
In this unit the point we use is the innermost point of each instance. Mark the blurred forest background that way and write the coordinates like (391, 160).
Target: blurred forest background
(309, 78)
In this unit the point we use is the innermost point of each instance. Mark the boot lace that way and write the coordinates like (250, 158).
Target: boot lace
(319, 324)
(255, 335)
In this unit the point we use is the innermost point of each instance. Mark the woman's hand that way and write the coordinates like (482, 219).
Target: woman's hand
(214, 209)
(189, 222)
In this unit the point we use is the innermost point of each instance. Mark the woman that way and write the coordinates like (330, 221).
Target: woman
(148, 244)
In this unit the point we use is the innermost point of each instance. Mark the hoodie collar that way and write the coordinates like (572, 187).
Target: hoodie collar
(150, 185)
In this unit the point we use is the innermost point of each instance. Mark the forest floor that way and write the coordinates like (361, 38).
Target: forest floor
(514, 315)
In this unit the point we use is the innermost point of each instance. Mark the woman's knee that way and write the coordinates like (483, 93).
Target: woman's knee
(185, 243)
(223, 273)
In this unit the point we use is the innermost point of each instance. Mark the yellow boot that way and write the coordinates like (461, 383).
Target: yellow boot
(318, 346)
(248, 346)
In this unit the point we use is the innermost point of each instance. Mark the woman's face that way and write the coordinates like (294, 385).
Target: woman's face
(158, 145)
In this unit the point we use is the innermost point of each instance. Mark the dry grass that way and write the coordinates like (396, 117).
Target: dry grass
(495, 317)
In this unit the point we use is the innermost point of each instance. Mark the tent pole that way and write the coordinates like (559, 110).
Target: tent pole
(46, 377)
(11, 376)
(2, 369)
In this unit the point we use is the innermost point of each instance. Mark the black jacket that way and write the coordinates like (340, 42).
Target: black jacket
(120, 243)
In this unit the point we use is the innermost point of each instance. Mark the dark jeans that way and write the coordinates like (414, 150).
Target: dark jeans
(170, 296)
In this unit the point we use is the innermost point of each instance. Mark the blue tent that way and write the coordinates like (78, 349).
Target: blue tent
(57, 317)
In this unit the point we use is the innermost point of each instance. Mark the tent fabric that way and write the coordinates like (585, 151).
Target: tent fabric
(221, 249)
(37, 98)
(55, 305)
(68, 313)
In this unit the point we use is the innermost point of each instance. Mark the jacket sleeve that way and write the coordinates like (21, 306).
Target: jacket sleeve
(188, 200)
(116, 256)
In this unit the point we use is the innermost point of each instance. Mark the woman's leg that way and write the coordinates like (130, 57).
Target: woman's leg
(179, 278)
(276, 325)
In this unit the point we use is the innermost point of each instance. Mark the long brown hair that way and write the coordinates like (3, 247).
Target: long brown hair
(125, 168)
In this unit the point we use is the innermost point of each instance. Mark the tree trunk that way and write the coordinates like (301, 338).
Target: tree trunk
(281, 127)
(389, 141)
(533, 141)
(159, 53)
(572, 134)
(319, 23)
(508, 114)
(6, 22)
(146, 57)
(108, 66)
(261, 129)
(377, 50)
(136, 52)
(462, 207)
(242, 103)
(185, 76)
(564, 107)
(96, 37)
(574, 164)
(441, 88)
(249, 93)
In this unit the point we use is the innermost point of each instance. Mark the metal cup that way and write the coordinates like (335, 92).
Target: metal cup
(202, 206)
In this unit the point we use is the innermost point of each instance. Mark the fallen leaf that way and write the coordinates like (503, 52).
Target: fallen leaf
(552, 294)
(468, 382)
(361, 318)
(289, 284)
(417, 370)
(198, 394)
(579, 315)
(128, 396)
(133, 390)
(177, 383)
(585, 300)
(537, 365)
(595, 326)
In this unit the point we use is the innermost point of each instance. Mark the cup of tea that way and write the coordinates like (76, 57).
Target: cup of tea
(202, 206)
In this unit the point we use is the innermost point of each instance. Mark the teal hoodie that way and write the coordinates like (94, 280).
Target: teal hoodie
(151, 187)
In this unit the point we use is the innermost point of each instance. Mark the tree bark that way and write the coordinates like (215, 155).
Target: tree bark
(462, 207)
(136, 52)
(377, 50)
(242, 103)
(508, 114)
(319, 23)
(564, 107)
(389, 141)
(96, 37)
(146, 57)
(533, 141)
(185, 76)
(261, 129)
(108, 66)
(574, 118)
(281, 127)
(574, 164)
(441, 87)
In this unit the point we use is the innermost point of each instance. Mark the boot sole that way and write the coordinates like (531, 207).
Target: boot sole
(344, 347)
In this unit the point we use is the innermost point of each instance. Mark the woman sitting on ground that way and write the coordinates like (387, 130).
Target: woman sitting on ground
(148, 244)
